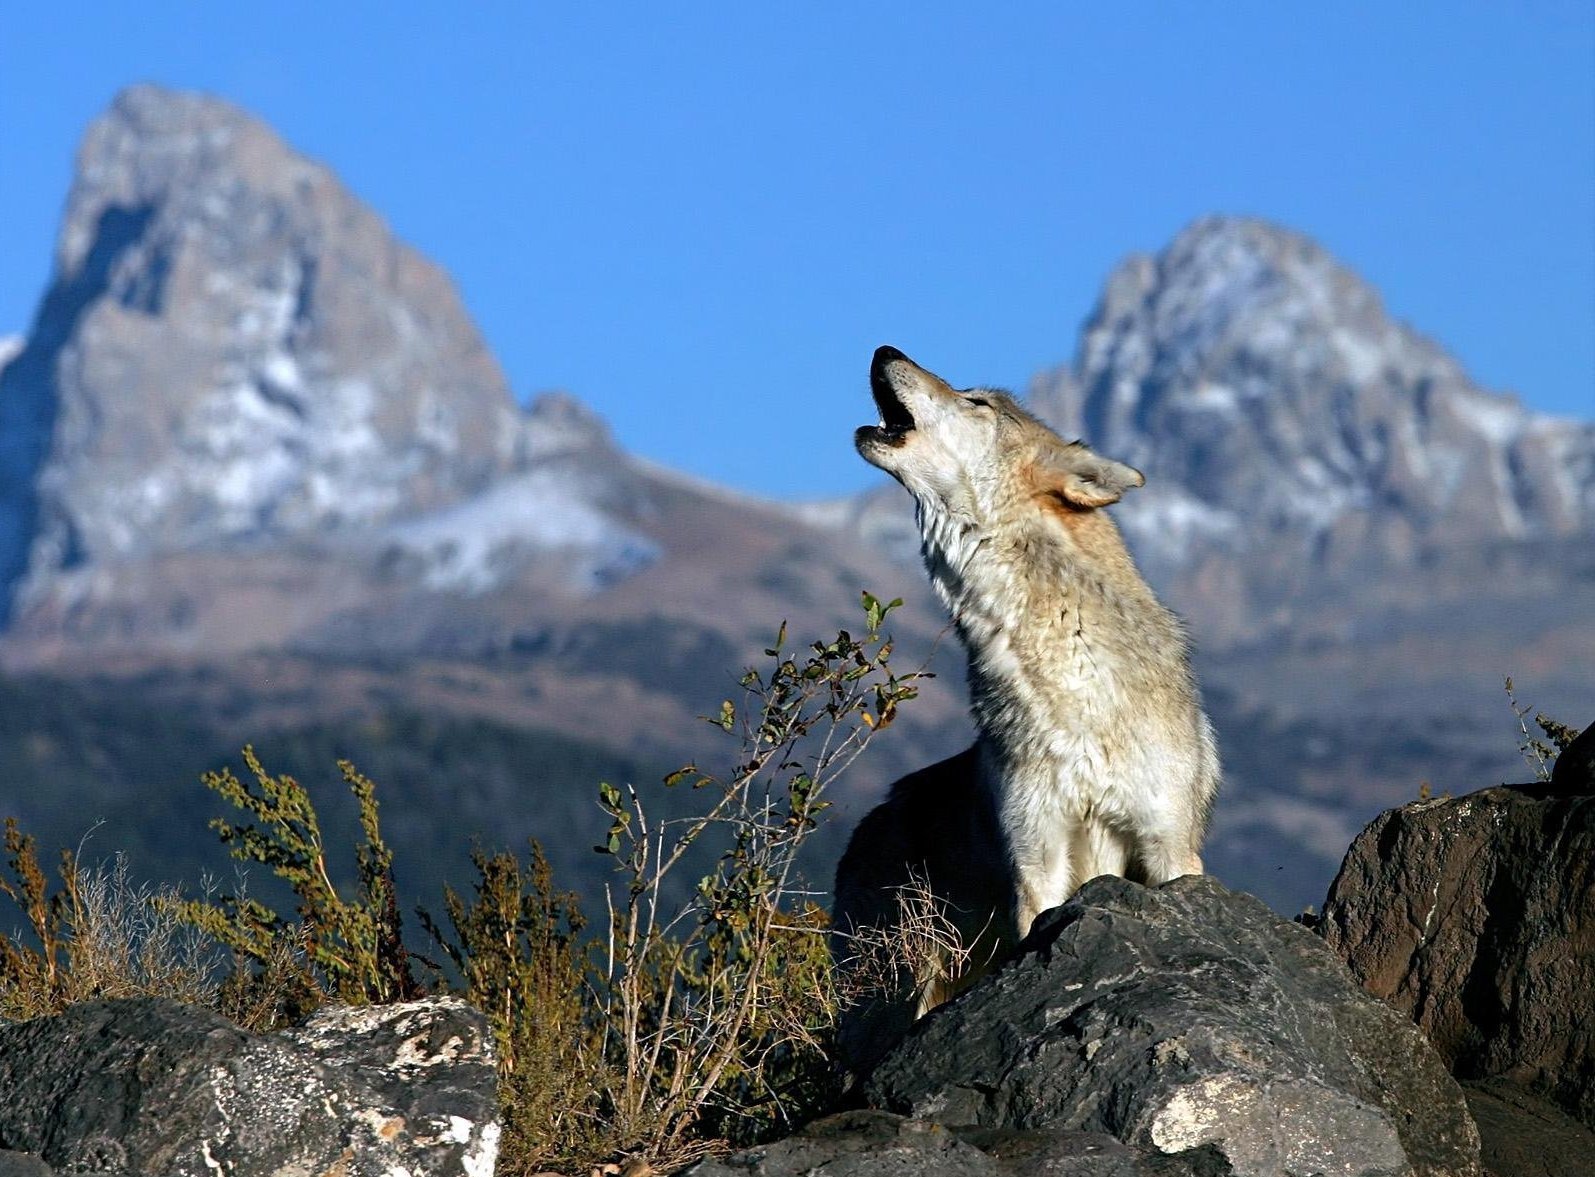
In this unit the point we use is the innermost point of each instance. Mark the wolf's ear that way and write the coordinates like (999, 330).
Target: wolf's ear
(1084, 479)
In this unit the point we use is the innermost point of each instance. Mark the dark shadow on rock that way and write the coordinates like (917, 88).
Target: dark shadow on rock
(30, 392)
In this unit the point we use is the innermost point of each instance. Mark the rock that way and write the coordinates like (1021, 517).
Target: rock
(153, 1087)
(1523, 1136)
(1574, 770)
(1180, 1016)
(431, 1062)
(1476, 918)
(880, 1144)
(21, 1164)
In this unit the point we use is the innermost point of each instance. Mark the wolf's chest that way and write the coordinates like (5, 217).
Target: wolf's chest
(1073, 777)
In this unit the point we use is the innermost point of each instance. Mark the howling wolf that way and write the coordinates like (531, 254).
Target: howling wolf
(1093, 754)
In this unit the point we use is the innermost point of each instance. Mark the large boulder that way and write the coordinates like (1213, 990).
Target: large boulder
(150, 1087)
(1476, 918)
(880, 1144)
(1183, 1016)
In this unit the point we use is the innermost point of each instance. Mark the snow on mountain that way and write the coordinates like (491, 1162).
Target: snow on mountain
(474, 546)
(235, 355)
(1256, 379)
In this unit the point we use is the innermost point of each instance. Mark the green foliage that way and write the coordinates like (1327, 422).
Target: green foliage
(518, 949)
(351, 950)
(683, 1026)
(717, 1013)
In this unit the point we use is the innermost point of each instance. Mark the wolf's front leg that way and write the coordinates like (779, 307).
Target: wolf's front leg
(1168, 856)
(1044, 881)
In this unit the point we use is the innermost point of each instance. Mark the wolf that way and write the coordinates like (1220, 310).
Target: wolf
(1093, 754)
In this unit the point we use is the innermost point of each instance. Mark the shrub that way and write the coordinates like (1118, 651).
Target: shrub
(348, 950)
(701, 1023)
(520, 954)
(1538, 753)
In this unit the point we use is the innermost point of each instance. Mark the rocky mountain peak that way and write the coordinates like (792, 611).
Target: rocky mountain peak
(1256, 378)
(560, 425)
(233, 345)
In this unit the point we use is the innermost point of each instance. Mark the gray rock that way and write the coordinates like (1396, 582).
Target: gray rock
(1181, 1016)
(1574, 770)
(880, 1144)
(21, 1164)
(239, 377)
(164, 1090)
(430, 1062)
(1474, 917)
(1524, 1136)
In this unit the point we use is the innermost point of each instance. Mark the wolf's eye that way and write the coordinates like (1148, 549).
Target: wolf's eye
(978, 400)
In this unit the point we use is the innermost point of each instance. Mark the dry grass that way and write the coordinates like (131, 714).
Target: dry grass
(97, 934)
(1539, 754)
(920, 952)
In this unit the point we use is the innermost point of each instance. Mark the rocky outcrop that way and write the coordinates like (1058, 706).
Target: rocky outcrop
(1184, 1016)
(880, 1144)
(1265, 381)
(1476, 918)
(150, 1088)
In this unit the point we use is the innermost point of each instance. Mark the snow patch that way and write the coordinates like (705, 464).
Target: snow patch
(1363, 358)
(1501, 422)
(465, 548)
(435, 424)
(1168, 520)
(1213, 398)
(282, 370)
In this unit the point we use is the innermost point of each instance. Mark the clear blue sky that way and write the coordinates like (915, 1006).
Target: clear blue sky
(702, 217)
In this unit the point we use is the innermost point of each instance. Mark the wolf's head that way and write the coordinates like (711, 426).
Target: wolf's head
(975, 456)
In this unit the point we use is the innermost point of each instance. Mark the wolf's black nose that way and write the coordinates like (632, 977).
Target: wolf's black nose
(885, 355)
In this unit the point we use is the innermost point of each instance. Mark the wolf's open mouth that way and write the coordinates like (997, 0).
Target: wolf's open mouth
(896, 421)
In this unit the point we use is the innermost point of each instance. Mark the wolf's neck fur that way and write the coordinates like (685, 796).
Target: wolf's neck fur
(1040, 602)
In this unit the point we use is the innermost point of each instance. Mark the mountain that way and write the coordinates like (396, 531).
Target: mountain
(248, 418)
(1292, 426)
(261, 479)
(233, 347)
